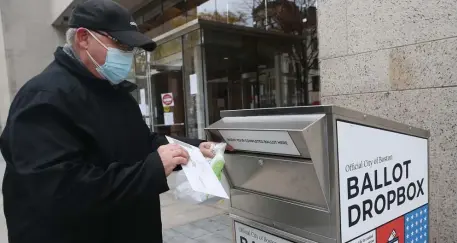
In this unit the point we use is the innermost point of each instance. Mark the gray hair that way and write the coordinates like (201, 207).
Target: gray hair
(70, 36)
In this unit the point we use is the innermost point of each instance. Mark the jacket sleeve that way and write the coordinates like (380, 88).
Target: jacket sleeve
(47, 156)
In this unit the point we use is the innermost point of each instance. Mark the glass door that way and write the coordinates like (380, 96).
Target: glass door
(167, 92)
(142, 94)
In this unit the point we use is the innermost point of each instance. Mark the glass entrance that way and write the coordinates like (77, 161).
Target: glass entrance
(168, 100)
(171, 91)
(248, 72)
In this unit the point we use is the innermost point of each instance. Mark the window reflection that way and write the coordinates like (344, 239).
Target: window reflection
(271, 62)
(194, 84)
(169, 53)
(245, 72)
(288, 16)
(227, 11)
(141, 94)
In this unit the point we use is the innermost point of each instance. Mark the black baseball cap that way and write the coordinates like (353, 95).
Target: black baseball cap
(112, 18)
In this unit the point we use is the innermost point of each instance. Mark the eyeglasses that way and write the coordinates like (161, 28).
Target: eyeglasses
(121, 46)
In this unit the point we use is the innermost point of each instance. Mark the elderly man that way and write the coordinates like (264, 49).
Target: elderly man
(82, 166)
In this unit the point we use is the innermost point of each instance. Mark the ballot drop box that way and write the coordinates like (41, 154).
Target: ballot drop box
(324, 174)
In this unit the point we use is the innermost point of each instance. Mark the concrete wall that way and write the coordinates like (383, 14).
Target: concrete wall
(398, 60)
(4, 84)
(29, 41)
(58, 7)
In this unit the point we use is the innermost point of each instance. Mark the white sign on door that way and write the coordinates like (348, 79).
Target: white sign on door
(383, 179)
(276, 142)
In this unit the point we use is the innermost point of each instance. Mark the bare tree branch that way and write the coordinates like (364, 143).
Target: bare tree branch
(296, 17)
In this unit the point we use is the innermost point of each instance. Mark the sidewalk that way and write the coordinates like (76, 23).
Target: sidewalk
(211, 230)
(186, 223)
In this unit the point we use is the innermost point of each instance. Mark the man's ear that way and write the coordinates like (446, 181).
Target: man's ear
(82, 38)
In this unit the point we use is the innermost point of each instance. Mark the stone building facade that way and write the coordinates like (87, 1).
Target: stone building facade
(398, 60)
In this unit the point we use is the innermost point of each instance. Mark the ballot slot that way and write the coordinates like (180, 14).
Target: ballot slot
(280, 156)
(275, 135)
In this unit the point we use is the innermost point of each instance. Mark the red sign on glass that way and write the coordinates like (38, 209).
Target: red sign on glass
(167, 99)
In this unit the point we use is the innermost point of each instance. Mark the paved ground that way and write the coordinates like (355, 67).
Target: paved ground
(186, 223)
(216, 229)
(182, 222)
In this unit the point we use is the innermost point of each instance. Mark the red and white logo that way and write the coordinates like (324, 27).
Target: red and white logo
(392, 232)
(167, 99)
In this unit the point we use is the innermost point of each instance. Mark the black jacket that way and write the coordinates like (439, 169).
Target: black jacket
(82, 164)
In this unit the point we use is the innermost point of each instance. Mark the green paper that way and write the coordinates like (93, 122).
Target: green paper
(217, 166)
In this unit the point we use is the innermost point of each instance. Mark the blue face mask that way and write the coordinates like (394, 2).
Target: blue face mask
(117, 64)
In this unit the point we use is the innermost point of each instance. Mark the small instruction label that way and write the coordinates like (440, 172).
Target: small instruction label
(276, 142)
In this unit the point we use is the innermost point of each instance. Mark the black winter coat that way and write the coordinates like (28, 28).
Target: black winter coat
(82, 164)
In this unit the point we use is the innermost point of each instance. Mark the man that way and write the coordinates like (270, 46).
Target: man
(82, 165)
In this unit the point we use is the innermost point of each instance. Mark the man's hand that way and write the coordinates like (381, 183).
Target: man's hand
(172, 155)
(207, 149)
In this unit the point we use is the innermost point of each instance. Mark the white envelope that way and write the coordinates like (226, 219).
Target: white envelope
(199, 172)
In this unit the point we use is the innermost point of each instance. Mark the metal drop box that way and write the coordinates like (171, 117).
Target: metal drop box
(323, 174)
